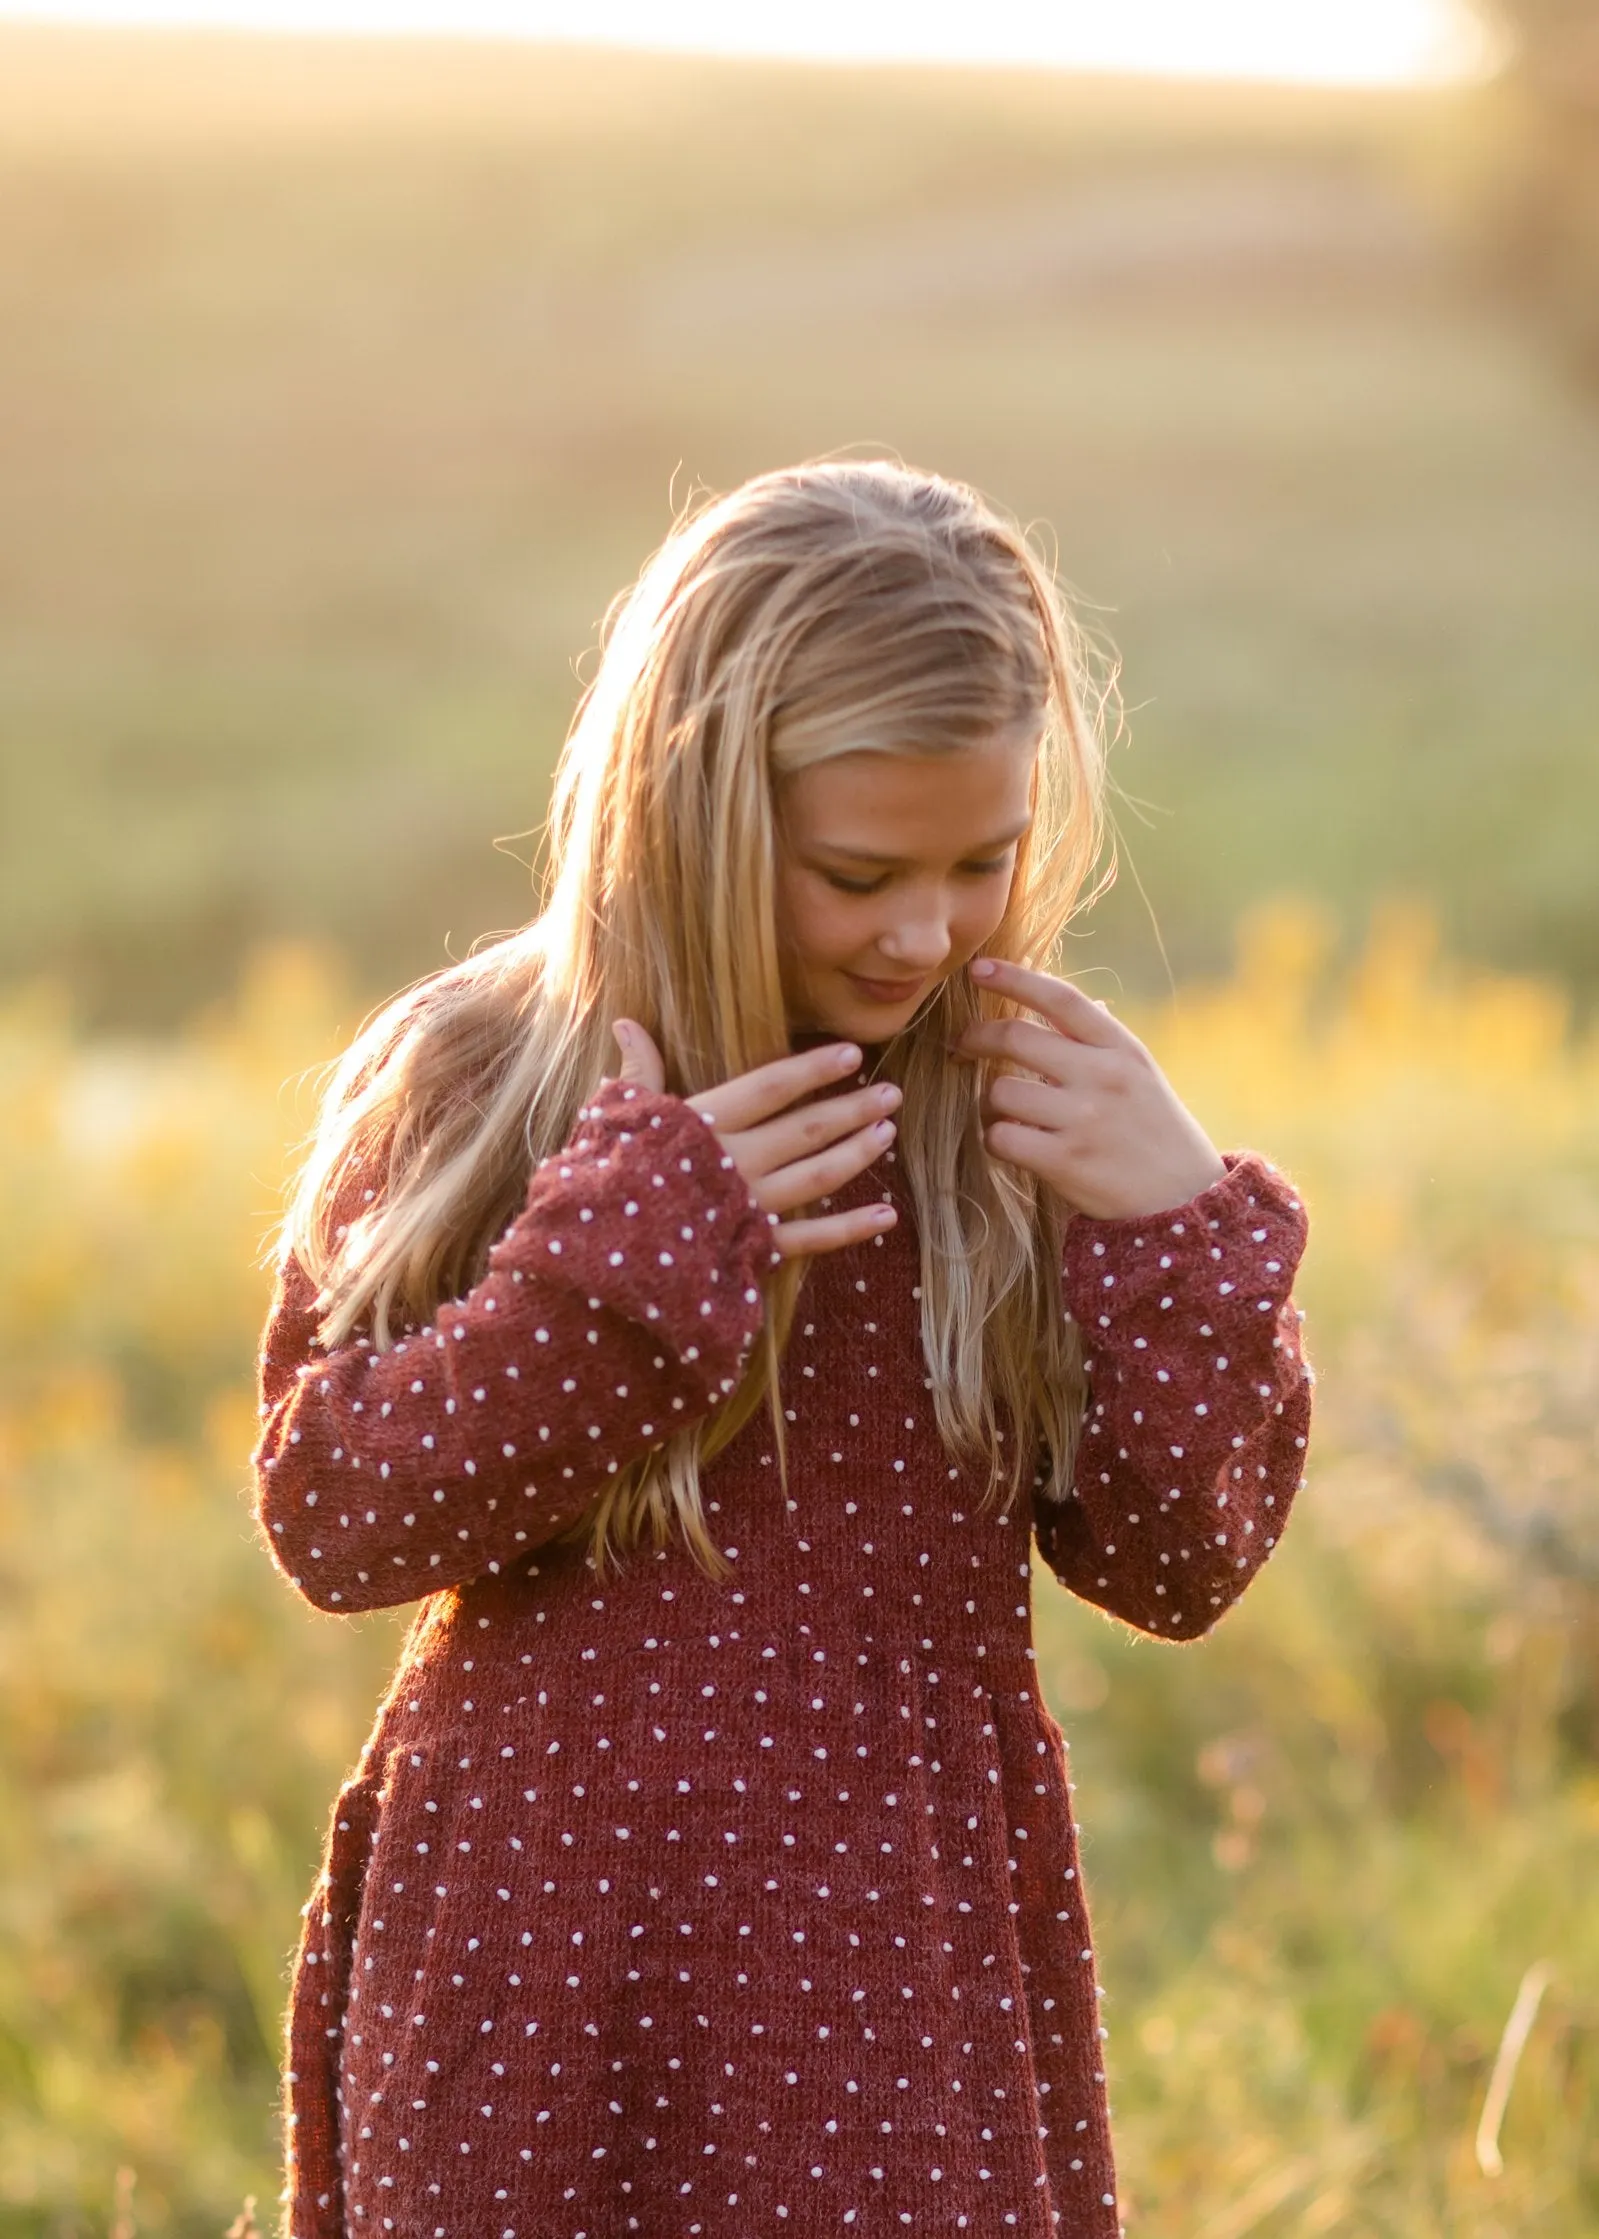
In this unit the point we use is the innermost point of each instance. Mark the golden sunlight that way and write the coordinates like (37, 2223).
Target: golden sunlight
(1351, 42)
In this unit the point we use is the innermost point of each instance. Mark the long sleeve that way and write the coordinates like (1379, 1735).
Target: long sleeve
(619, 1306)
(1193, 1443)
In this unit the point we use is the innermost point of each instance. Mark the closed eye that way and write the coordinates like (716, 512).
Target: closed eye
(873, 886)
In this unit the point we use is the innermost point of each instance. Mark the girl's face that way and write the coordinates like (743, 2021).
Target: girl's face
(893, 870)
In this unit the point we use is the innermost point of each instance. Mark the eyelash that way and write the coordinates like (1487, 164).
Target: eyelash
(849, 886)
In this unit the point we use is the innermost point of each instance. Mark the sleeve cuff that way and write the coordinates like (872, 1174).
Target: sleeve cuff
(1252, 1216)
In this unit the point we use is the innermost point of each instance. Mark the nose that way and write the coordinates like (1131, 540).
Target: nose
(919, 941)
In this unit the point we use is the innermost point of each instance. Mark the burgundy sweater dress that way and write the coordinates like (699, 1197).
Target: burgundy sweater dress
(722, 1911)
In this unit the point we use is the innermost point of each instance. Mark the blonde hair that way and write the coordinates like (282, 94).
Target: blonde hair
(815, 611)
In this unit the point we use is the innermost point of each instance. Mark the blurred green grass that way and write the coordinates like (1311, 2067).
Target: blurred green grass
(343, 385)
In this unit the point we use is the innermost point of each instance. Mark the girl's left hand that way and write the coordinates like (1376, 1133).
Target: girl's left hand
(1103, 1125)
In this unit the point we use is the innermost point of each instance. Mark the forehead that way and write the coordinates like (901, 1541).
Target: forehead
(909, 807)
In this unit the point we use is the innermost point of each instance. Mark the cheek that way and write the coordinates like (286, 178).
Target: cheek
(815, 924)
(980, 913)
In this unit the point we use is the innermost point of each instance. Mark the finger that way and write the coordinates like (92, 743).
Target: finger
(811, 1127)
(1035, 1103)
(1020, 1145)
(809, 1178)
(642, 1062)
(1017, 1041)
(752, 1097)
(1064, 1005)
(832, 1231)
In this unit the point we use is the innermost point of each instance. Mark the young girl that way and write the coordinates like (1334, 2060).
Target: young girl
(698, 1302)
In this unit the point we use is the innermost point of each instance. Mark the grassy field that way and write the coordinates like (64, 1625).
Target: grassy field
(343, 386)
(340, 389)
(1323, 1848)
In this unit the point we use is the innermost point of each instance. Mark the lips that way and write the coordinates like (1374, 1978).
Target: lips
(886, 991)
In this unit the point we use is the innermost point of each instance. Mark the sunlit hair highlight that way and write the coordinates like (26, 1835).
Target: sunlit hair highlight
(815, 611)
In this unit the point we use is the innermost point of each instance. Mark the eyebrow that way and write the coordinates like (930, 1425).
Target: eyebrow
(896, 862)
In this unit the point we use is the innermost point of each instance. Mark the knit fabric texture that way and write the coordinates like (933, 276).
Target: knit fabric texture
(702, 1910)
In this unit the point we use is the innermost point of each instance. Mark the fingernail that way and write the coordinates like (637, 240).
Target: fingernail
(981, 968)
(883, 1214)
(846, 1056)
(884, 1128)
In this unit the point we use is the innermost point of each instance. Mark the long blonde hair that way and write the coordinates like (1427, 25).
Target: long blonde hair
(814, 611)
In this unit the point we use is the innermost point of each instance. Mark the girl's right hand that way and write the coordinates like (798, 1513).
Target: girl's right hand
(787, 1157)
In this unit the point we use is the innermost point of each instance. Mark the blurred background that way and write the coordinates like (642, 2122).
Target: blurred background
(343, 381)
